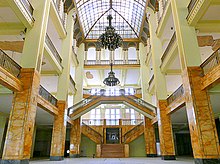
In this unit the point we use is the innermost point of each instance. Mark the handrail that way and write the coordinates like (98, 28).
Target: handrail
(103, 121)
(62, 20)
(176, 94)
(53, 49)
(191, 5)
(9, 64)
(107, 62)
(132, 131)
(28, 7)
(96, 134)
(211, 62)
(164, 9)
(72, 81)
(47, 96)
(169, 46)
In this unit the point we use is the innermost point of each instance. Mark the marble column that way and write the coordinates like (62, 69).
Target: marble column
(18, 143)
(59, 133)
(166, 133)
(150, 139)
(201, 120)
(75, 139)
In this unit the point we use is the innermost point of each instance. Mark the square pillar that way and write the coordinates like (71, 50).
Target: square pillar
(201, 120)
(150, 139)
(75, 139)
(18, 143)
(59, 133)
(165, 132)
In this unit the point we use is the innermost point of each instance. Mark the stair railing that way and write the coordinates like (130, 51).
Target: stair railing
(95, 133)
(132, 131)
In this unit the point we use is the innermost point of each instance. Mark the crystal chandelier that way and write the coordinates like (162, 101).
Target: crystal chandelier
(110, 39)
(111, 80)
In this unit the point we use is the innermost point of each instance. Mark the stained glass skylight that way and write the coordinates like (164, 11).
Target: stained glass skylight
(127, 16)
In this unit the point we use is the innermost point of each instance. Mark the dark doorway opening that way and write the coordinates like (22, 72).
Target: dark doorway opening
(112, 135)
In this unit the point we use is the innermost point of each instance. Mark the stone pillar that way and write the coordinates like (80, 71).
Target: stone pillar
(20, 130)
(126, 150)
(59, 133)
(3, 121)
(75, 139)
(164, 122)
(86, 56)
(150, 139)
(165, 131)
(98, 150)
(125, 56)
(201, 120)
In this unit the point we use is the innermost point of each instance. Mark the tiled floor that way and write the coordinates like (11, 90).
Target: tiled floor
(115, 161)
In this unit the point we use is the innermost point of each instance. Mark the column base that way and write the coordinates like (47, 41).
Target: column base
(74, 155)
(56, 158)
(206, 161)
(168, 157)
(151, 155)
(8, 161)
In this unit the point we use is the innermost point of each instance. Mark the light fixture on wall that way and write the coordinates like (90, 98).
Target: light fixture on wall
(110, 39)
(111, 80)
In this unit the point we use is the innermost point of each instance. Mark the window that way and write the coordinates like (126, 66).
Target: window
(95, 117)
(112, 116)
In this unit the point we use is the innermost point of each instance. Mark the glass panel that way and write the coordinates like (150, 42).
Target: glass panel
(127, 16)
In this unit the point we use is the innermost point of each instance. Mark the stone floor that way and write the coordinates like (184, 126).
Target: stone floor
(115, 161)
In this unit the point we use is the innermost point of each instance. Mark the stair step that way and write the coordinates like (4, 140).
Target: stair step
(112, 151)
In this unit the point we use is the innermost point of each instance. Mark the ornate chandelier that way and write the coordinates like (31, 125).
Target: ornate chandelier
(110, 39)
(111, 80)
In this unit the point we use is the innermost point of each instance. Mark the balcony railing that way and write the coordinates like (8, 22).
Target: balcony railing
(28, 7)
(133, 131)
(164, 9)
(57, 9)
(53, 49)
(9, 64)
(98, 122)
(47, 96)
(191, 5)
(116, 62)
(72, 81)
(211, 62)
(178, 93)
(170, 45)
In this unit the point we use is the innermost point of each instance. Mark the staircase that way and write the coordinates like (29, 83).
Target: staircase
(91, 133)
(134, 133)
(112, 151)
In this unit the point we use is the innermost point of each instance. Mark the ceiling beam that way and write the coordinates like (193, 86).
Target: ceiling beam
(16, 46)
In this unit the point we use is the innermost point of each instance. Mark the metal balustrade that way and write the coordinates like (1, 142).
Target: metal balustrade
(191, 5)
(47, 96)
(100, 122)
(93, 132)
(211, 62)
(175, 95)
(169, 46)
(102, 92)
(28, 7)
(115, 62)
(57, 9)
(9, 64)
(53, 49)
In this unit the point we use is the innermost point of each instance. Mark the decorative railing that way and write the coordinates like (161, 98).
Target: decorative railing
(151, 80)
(57, 9)
(53, 49)
(133, 131)
(191, 5)
(211, 62)
(102, 93)
(175, 95)
(47, 96)
(9, 64)
(107, 62)
(95, 134)
(170, 45)
(164, 3)
(28, 7)
(112, 121)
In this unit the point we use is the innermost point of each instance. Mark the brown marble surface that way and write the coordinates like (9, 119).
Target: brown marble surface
(75, 137)
(59, 131)
(22, 118)
(203, 133)
(165, 130)
(149, 136)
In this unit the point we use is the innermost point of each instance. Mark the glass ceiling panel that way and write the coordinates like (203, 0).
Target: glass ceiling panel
(127, 16)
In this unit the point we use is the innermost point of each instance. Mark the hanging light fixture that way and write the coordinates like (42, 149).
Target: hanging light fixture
(111, 80)
(110, 39)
